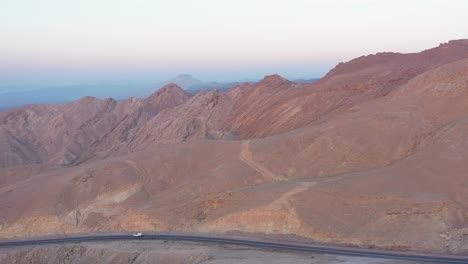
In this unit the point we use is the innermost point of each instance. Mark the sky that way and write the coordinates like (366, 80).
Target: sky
(57, 42)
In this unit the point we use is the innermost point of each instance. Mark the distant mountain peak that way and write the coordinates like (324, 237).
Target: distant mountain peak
(170, 93)
(171, 88)
(87, 100)
(185, 76)
(184, 81)
(273, 79)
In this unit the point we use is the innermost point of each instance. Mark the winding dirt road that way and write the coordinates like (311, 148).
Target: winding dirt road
(246, 156)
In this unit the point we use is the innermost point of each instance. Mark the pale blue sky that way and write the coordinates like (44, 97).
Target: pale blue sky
(65, 41)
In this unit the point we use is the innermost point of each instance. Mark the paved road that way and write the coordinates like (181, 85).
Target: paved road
(348, 251)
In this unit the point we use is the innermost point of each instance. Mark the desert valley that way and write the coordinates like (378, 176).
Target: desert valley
(374, 154)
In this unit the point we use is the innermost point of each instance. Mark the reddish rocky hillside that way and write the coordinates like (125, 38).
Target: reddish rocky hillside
(67, 134)
(356, 158)
(275, 105)
(91, 129)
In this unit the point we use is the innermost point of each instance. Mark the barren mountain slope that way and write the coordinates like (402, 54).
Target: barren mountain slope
(417, 199)
(277, 106)
(395, 163)
(67, 134)
(19, 142)
(202, 117)
(92, 129)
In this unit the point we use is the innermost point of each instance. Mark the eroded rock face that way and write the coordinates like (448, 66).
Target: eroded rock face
(72, 133)
(202, 117)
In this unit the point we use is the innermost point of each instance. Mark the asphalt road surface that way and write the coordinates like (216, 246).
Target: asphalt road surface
(326, 249)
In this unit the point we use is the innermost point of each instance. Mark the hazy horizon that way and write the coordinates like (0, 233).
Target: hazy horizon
(51, 43)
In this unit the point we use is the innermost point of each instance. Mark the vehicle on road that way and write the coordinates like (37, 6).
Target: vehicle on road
(138, 235)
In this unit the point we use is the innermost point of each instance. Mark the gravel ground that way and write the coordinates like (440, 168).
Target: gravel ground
(168, 252)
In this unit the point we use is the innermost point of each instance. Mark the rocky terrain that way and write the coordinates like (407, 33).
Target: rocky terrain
(69, 134)
(373, 154)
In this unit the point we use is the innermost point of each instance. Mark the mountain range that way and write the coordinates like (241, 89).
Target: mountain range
(117, 90)
(373, 154)
(194, 85)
